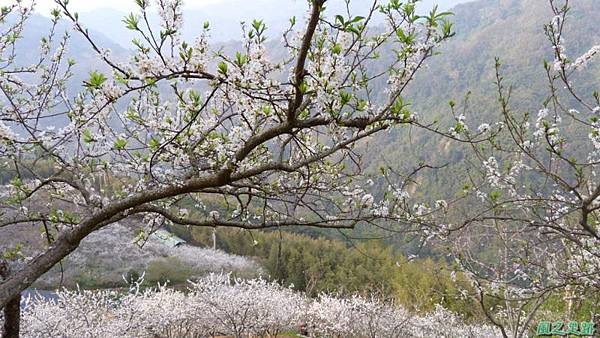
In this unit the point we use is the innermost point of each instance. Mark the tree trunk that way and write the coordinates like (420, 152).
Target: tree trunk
(12, 310)
(12, 318)
(68, 241)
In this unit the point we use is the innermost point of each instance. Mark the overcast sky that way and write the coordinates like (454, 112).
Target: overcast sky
(44, 6)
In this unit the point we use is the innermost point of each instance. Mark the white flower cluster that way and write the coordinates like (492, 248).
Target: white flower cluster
(559, 47)
(460, 126)
(584, 263)
(483, 128)
(6, 133)
(170, 12)
(329, 75)
(583, 60)
(594, 135)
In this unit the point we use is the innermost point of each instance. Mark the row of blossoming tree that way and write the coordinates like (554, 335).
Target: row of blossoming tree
(277, 142)
(218, 305)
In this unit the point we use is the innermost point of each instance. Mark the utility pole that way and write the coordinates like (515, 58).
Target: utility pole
(214, 238)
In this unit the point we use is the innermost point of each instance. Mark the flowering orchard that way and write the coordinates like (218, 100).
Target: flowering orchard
(218, 305)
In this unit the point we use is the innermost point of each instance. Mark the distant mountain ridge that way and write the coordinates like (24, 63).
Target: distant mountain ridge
(78, 48)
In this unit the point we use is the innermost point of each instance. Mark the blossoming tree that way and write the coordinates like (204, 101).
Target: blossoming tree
(531, 232)
(181, 122)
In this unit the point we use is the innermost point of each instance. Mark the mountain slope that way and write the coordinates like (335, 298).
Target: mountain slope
(109, 255)
(509, 29)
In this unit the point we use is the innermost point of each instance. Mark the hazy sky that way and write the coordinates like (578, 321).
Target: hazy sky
(44, 6)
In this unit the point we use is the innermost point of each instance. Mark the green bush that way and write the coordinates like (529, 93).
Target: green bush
(168, 270)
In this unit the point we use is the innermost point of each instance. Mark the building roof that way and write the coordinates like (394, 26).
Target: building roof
(167, 238)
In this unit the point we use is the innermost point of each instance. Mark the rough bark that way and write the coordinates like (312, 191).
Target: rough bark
(12, 310)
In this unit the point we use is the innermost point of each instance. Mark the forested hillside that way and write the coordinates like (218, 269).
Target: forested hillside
(511, 30)
(464, 74)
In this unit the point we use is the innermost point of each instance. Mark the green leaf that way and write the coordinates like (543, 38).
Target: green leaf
(142, 3)
(223, 68)
(458, 128)
(154, 144)
(409, 10)
(258, 26)
(16, 182)
(195, 97)
(13, 254)
(4, 10)
(405, 38)
(132, 22)
(337, 49)
(495, 195)
(362, 105)
(357, 19)
(96, 80)
(120, 144)
(353, 29)
(304, 114)
(55, 13)
(303, 87)
(88, 137)
(447, 28)
(186, 52)
(345, 98)
(398, 108)
(241, 59)
(167, 32)
(134, 116)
